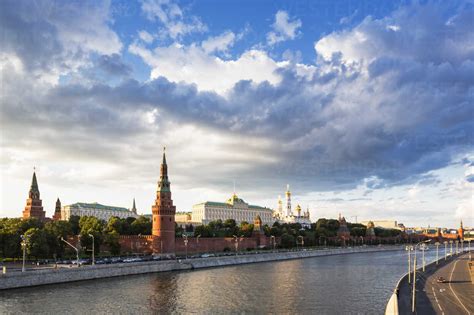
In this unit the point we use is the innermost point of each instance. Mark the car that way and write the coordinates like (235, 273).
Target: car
(441, 280)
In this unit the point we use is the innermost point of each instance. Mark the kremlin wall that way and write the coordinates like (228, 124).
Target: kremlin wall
(163, 240)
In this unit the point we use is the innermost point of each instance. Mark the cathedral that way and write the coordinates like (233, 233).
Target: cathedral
(287, 215)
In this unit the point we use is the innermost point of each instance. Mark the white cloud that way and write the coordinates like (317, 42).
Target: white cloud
(220, 43)
(283, 28)
(146, 37)
(191, 64)
(176, 23)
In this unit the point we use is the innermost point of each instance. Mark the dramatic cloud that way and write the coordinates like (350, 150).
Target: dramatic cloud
(53, 39)
(387, 105)
(283, 28)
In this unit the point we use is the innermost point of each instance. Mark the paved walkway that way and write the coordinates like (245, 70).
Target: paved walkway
(455, 296)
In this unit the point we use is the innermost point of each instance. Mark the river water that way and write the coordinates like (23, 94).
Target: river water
(342, 284)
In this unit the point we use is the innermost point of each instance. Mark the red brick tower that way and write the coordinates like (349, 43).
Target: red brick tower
(461, 232)
(57, 211)
(163, 214)
(34, 206)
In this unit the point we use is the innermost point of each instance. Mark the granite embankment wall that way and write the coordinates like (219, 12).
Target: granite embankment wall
(29, 278)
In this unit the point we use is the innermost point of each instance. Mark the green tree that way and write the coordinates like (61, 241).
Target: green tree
(111, 239)
(37, 243)
(142, 225)
(54, 231)
(287, 241)
(74, 221)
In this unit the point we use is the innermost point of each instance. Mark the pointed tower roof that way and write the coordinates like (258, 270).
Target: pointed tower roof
(34, 190)
(164, 156)
(134, 208)
(164, 184)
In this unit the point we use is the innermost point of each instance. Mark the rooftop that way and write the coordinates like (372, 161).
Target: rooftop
(98, 206)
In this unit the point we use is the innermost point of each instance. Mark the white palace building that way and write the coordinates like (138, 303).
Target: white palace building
(235, 208)
(97, 210)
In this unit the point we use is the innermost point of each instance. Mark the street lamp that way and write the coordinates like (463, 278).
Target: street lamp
(409, 249)
(437, 247)
(186, 244)
(302, 241)
(236, 244)
(445, 250)
(93, 249)
(75, 248)
(272, 238)
(24, 243)
(423, 248)
(457, 248)
(197, 238)
(422, 244)
(451, 251)
(469, 243)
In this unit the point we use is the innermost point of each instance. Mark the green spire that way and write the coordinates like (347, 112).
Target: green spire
(164, 184)
(34, 190)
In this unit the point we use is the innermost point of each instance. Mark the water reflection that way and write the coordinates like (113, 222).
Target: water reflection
(357, 283)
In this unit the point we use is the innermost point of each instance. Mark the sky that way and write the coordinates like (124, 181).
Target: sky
(364, 108)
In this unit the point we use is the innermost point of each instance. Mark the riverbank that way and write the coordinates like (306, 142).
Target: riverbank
(62, 275)
(401, 300)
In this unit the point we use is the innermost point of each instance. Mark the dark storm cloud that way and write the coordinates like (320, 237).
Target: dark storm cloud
(113, 65)
(388, 116)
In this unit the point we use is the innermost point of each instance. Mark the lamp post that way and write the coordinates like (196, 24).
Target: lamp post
(423, 248)
(75, 248)
(236, 244)
(302, 241)
(445, 250)
(186, 244)
(451, 250)
(197, 238)
(457, 247)
(272, 239)
(24, 243)
(93, 249)
(414, 277)
(469, 243)
(409, 249)
(414, 285)
(437, 248)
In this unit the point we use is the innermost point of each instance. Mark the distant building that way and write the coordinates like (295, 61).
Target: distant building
(287, 215)
(34, 205)
(96, 210)
(385, 224)
(235, 208)
(184, 219)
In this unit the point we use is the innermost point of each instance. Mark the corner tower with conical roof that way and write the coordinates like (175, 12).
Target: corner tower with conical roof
(57, 211)
(163, 214)
(34, 205)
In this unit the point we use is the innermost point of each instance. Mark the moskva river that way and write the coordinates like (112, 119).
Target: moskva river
(343, 284)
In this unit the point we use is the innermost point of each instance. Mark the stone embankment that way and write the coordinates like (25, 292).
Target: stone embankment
(29, 278)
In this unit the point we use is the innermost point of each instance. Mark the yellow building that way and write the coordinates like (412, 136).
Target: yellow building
(235, 208)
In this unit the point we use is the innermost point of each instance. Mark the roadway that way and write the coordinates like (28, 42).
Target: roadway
(454, 296)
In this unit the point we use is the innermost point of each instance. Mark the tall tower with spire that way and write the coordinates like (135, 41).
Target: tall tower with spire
(134, 207)
(288, 201)
(57, 211)
(34, 205)
(163, 214)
